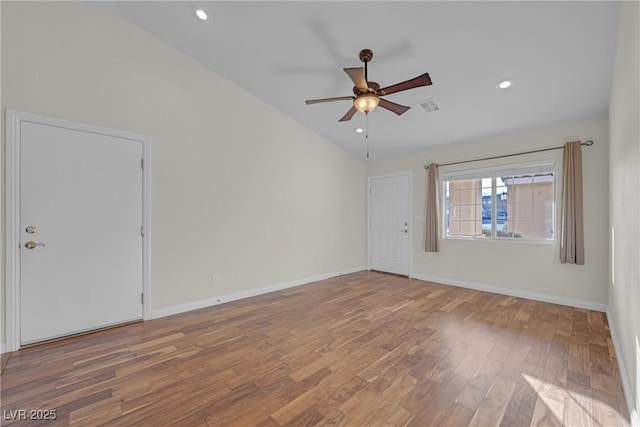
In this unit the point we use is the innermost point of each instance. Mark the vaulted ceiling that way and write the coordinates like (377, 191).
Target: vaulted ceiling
(559, 54)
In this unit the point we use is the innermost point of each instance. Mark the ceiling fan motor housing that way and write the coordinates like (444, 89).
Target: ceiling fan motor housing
(373, 87)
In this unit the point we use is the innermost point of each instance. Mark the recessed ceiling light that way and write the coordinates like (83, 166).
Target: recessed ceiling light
(201, 14)
(504, 84)
(359, 130)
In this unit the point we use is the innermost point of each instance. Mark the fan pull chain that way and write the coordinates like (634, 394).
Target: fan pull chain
(366, 130)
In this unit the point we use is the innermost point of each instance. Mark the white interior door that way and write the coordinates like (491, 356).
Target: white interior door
(81, 206)
(389, 224)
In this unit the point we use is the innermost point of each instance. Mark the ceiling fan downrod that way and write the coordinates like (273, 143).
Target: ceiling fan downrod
(366, 55)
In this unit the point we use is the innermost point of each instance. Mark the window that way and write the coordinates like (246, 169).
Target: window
(511, 202)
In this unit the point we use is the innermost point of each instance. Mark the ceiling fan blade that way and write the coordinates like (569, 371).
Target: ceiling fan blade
(392, 106)
(423, 80)
(338, 98)
(349, 114)
(357, 75)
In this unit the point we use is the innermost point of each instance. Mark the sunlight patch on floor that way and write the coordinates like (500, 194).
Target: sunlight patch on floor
(558, 406)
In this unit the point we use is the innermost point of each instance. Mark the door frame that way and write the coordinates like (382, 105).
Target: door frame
(13, 119)
(408, 174)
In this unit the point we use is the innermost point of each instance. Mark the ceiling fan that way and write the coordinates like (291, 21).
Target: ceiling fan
(368, 95)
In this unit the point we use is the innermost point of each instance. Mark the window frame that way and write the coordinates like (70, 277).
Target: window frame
(544, 166)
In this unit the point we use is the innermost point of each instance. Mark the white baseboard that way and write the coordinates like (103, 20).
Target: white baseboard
(624, 374)
(195, 305)
(571, 302)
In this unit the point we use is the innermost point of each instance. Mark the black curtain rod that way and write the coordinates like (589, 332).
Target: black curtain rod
(587, 143)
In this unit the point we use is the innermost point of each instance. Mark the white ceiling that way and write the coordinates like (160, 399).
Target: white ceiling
(559, 53)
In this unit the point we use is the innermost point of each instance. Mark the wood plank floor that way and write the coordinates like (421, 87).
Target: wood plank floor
(365, 349)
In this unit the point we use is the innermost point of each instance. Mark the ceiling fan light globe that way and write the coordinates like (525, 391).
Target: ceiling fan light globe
(366, 103)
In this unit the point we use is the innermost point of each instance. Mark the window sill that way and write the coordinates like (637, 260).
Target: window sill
(502, 240)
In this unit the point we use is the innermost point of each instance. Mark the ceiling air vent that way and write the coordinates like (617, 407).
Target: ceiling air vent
(430, 106)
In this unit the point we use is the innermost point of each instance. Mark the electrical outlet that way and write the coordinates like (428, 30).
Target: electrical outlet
(215, 279)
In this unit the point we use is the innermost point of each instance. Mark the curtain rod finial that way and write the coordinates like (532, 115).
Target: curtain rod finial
(588, 143)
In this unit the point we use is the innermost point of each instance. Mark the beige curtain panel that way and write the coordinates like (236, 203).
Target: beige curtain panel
(431, 197)
(571, 218)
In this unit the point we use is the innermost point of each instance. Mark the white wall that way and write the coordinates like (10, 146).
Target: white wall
(624, 193)
(238, 188)
(518, 267)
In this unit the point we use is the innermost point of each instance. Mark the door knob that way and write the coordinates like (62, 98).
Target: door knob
(404, 231)
(31, 244)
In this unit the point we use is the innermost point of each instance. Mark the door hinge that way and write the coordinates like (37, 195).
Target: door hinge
(141, 163)
(142, 230)
(141, 298)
